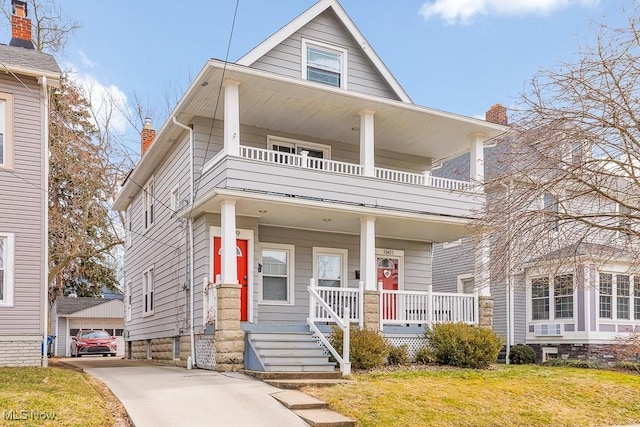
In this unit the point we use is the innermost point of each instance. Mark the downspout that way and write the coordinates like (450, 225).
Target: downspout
(191, 244)
(508, 291)
(45, 267)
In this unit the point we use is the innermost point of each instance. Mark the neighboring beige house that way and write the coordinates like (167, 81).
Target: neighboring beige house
(26, 76)
(284, 187)
(70, 314)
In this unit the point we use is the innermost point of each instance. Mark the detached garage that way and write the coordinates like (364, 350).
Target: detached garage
(70, 314)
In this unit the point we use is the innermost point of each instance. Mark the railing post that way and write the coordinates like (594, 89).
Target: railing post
(476, 305)
(346, 336)
(361, 303)
(312, 301)
(381, 302)
(427, 178)
(429, 306)
(304, 158)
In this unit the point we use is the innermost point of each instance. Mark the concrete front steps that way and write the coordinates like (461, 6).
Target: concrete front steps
(313, 411)
(287, 351)
(298, 380)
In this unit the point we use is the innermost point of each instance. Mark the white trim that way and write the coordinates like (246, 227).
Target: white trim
(306, 17)
(148, 204)
(295, 143)
(344, 253)
(342, 56)
(9, 267)
(453, 244)
(395, 254)
(242, 234)
(8, 148)
(291, 278)
(174, 198)
(148, 288)
(460, 281)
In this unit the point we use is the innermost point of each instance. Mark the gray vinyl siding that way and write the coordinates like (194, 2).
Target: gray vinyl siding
(417, 267)
(162, 247)
(520, 310)
(449, 263)
(362, 75)
(23, 196)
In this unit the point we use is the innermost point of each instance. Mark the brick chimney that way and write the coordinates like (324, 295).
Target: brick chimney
(20, 25)
(148, 133)
(497, 114)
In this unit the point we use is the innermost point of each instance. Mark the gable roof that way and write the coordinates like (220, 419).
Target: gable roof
(306, 17)
(28, 62)
(68, 305)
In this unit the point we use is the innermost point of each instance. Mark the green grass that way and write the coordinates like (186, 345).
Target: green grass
(72, 396)
(503, 396)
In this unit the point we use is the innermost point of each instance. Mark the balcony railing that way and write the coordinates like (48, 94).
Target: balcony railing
(333, 166)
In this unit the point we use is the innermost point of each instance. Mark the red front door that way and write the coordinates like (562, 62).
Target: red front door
(243, 271)
(388, 275)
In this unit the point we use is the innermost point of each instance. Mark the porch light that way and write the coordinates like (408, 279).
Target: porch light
(262, 211)
(326, 219)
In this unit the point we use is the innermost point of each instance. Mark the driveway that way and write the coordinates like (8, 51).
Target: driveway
(169, 396)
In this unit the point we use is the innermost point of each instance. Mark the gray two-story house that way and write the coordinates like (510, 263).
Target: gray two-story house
(26, 77)
(285, 188)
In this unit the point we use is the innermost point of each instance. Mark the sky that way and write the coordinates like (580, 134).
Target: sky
(460, 56)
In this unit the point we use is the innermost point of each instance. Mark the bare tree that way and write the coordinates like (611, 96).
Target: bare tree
(51, 28)
(566, 180)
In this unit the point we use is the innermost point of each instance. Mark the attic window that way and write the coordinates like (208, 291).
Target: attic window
(324, 64)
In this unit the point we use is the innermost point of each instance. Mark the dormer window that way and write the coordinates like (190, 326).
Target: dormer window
(322, 63)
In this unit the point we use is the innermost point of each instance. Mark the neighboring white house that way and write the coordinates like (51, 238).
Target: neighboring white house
(284, 187)
(25, 80)
(70, 314)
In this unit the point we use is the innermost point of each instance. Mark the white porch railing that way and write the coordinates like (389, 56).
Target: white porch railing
(427, 308)
(337, 299)
(317, 304)
(333, 166)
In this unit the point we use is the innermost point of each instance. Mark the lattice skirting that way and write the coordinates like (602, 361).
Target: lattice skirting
(413, 342)
(205, 352)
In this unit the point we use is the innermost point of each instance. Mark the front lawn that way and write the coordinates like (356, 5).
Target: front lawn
(501, 396)
(53, 397)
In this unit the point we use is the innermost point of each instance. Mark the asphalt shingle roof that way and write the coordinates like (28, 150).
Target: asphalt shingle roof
(67, 305)
(11, 56)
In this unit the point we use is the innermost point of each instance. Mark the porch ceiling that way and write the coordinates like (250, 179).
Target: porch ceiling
(339, 219)
(299, 107)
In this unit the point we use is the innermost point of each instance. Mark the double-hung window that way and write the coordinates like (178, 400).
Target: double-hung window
(550, 205)
(288, 146)
(552, 297)
(147, 292)
(540, 298)
(6, 269)
(616, 295)
(148, 202)
(330, 267)
(6, 131)
(323, 63)
(277, 274)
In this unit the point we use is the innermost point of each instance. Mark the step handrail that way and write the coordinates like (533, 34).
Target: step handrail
(343, 324)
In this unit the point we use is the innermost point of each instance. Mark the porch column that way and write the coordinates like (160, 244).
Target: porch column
(477, 158)
(368, 273)
(485, 309)
(367, 155)
(228, 259)
(482, 278)
(231, 117)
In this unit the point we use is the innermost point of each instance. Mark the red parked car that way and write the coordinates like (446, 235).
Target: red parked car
(93, 342)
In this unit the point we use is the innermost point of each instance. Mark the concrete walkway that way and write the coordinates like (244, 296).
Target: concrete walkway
(168, 396)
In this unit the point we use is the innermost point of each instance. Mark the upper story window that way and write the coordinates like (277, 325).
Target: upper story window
(6, 269)
(6, 134)
(147, 292)
(175, 198)
(324, 63)
(148, 203)
(550, 205)
(293, 146)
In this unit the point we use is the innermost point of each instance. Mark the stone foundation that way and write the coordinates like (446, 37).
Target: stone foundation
(229, 337)
(372, 310)
(161, 350)
(603, 353)
(21, 351)
(485, 308)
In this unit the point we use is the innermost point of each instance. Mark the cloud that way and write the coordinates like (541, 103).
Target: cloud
(462, 11)
(86, 61)
(108, 102)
